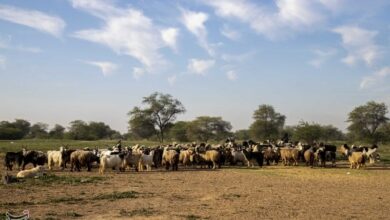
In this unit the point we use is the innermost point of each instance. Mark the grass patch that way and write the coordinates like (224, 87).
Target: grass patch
(54, 180)
(23, 203)
(118, 195)
(68, 200)
(138, 212)
(73, 214)
(192, 217)
(231, 196)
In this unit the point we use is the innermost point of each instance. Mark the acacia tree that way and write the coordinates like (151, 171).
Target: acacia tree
(268, 123)
(161, 110)
(205, 128)
(140, 124)
(307, 132)
(366, 120)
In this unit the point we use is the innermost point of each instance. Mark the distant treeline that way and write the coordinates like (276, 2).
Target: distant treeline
(156, 120)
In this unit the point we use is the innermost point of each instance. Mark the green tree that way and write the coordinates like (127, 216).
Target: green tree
(162, 110)
(141, 125)
(329, 132)
(78, 130)
(178, 132)
(14, 130)
(366, 120)
(309, 133)
(268, 123)
(57, 132)
(38, 130)
(205, 128)
(242, 134)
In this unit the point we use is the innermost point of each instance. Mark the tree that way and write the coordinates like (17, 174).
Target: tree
(14, 130)
(161, 110)
(57, 132)
(178, 131)
(78, 130)
(309, 133)
(39, 130)
(141, 125)
(268, 124)
(205, 128)
(242, 134)
(329, 132)
(365, 121)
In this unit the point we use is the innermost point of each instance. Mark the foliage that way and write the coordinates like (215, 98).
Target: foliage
(307, 132)
(268, 123)
(38, 130)
(178, 131)
(242, 134)
(80, 130)
(14, 130)
(205, 128)
(161, 110)
(57, 132)
(366, 121)
(141, 125)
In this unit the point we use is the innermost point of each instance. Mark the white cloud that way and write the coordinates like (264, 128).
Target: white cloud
(172, 80)
(230, 33)
(106, 67)
(34, 19)
(169, 36)
(127, 31)
(322, 56)
(7, 45)
(194, 22)
(2, 62)
(231, 75)
(272, 22)
(199, 66)
(375, 78)
(359, 44)
(138, 72)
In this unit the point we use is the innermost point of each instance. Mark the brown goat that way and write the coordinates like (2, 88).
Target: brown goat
(170, 158)
(309, 157)
(81, 158)
(289, 154)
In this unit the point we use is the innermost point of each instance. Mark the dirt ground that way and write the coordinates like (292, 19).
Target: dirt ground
(274, 192)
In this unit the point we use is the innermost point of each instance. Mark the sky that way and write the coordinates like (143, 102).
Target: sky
(94, 60)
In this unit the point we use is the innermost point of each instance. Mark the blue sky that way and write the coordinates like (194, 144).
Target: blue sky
(94, 60)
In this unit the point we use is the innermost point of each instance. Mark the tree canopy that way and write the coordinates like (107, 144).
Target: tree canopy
(268, 123)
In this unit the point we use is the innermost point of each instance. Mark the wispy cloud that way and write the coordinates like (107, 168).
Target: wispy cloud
(322, 56)
(106, 67)
(194, 22)
(230, 33)
(199, 66)
(169, 36)
(231, 75)
(126, 31)
(276, 22)
(172, 80)
(360, 45)
(375, 78)
(34, 19)
(8, 45)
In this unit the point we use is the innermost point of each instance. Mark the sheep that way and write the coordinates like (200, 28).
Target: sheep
(254, 153)
(13, 158)
(271, 154)
(356, 159)
(157, 156)
(112, 161)
(185, 157)
(170, 158)
(238, 156)
(309, 157)
(210, 157)
(55, 158)
(81, 158)
(33, 172)
(289, 154)
(132, 159)
(34, 157)
(372, 153)
(66, 157)
(146, 160)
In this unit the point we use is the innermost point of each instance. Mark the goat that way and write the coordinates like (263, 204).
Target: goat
(33, 172)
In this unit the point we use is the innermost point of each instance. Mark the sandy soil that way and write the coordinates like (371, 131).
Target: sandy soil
(273, 192)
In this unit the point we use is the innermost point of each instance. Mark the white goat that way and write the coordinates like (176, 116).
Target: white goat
(146, 160)
(112, 161)
(54, 158)
(33, 172)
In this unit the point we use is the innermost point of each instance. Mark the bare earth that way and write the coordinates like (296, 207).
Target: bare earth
(273, 192)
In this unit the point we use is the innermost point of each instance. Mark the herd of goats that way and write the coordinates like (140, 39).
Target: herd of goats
(139, 157)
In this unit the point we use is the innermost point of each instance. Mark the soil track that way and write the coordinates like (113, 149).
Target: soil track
(273, 192)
